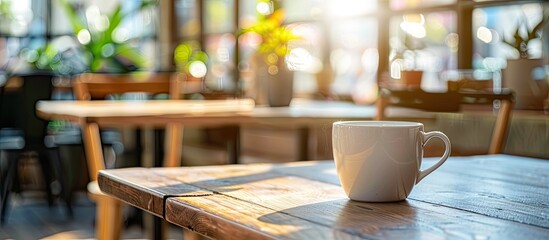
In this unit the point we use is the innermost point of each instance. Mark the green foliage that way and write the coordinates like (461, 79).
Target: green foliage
(102, 52)
(274, 36)
(51, 59)
(187, 53)
(5, 9)
(43, 58)
(523, 35)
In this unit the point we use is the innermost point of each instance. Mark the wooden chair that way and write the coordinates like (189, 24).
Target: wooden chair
(451, 101)
(100, 86)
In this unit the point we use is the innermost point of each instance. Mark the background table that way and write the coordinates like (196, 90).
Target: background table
(302, 115)
(480, 197)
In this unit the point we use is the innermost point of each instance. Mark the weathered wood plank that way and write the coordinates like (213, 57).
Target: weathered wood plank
(234, 174)
(275, 205)
(144, 189)
(503, 200)
(222, 217)
(520, 170)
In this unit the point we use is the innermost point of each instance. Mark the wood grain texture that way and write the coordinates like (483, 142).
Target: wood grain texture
(140, 188)
(225, 217)
(511, 190)
(221, 217)
(481, 197)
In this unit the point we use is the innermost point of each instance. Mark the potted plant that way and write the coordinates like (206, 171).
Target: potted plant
(525, 75)
(404, 57)
(101, 50)
(272, 74)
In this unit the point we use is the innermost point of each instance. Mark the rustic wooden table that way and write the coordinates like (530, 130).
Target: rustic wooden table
(480, 197)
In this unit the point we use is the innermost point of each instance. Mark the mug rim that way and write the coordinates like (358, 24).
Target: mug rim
(404, 124)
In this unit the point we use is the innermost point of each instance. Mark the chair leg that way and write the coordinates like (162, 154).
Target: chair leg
(7, 183)
(45, 163)
(3, 173)
(190, 235)
(501, 128)
(66, 188)
(108, 218)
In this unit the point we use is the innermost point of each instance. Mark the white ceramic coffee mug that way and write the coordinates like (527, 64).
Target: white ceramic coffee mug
(379, 161)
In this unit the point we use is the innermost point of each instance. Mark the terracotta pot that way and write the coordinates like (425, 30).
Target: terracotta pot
(411, 78)
(191, 84)
(527, 78)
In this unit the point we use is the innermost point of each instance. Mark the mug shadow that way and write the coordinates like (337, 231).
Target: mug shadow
(241, 175)
(348, 218)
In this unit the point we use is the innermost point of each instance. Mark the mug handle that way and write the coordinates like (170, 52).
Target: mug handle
(426, 137)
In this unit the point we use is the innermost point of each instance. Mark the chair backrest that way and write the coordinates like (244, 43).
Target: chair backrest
(18, 106)
(451, 101)
(35, 87)
(95, 86)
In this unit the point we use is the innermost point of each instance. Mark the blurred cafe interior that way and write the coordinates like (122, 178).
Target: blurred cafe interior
(305, 64)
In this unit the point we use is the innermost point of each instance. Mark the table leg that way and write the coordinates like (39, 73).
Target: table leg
(501, 127)
(190, 235)
(233, 145)
(94, 151)
(109, 220)
(303, 141)
(108, 213)
(174, 142)
(158, 147)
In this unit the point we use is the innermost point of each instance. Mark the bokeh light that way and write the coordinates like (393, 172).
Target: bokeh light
(198, 69)
(413, 24)
(223, 54)
(120, 35)
(107, 50)
(84, 36)
(264, 8)
(484, 34)
(299, 59)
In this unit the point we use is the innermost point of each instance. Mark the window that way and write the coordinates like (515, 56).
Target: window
(30, 28)
(426, 42)
(491, 25)
(353, 43)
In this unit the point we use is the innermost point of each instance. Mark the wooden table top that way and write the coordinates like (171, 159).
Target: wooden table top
(145, 112)
(300, 113)
(480, 197)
